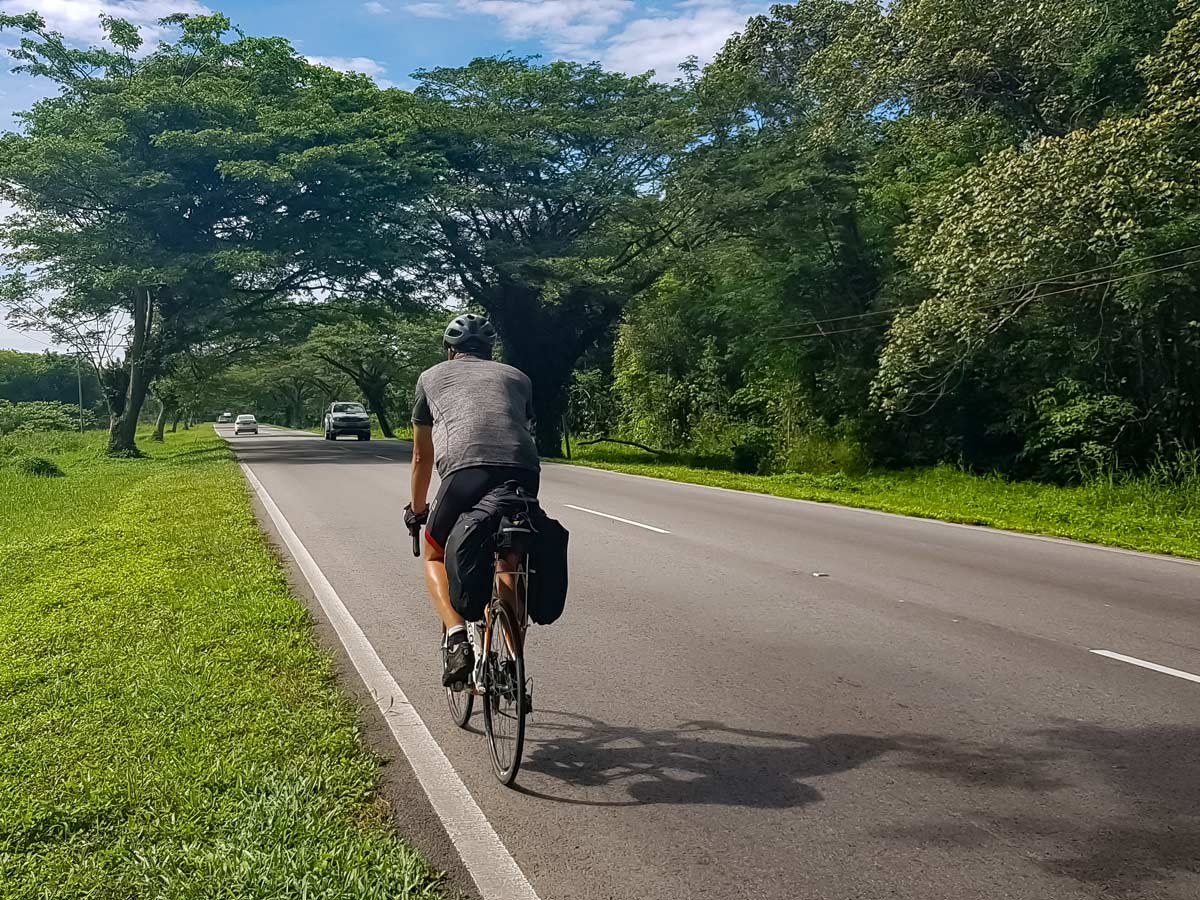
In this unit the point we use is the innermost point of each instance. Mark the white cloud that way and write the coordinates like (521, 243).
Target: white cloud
(363, 64)
(79, 20)
(661, 43)
(430, 10)
(566, 25)
(375, 8)
(622, 34)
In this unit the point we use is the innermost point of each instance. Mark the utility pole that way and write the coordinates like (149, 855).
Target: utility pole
(79, 384)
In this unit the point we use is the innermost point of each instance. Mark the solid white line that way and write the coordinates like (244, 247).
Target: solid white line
(388, 458)
(617, 518)
(495, 872)
(1044, 538)
(1134, 661)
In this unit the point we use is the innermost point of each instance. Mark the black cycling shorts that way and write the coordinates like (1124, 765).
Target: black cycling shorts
(462, 489)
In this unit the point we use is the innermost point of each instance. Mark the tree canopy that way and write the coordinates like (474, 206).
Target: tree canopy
(926, 230)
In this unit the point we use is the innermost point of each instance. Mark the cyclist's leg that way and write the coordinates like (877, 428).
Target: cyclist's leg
(459, 492)
(438, 585)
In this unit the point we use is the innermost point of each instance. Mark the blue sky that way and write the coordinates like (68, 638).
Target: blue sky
(389, 39)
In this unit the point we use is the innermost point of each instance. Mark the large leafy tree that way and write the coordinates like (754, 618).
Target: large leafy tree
(547, 212)
(192, 192)
(1061, 324)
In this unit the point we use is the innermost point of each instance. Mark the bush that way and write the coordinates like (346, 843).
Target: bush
(42, 415)
(753, 451)
(39, 466)
(1076, 434)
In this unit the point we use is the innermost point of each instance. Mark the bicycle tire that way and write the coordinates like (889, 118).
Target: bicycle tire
(504, 697)
(460, 703)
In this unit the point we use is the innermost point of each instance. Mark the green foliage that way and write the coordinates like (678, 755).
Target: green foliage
(46, 376)
(1078, 434)
(214, 181)
(164, 701)
(41, 415)
(887, 212)
(545, 213)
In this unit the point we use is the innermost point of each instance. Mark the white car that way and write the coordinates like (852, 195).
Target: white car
(245, 424)
(224, 417)
(344, 417)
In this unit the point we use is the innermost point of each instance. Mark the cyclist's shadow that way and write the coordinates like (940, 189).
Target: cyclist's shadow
(693, 763)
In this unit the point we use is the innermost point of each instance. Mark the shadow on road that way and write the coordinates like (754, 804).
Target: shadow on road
(1115, 808)
(1128, 823)
(710, 763)
(301, 452)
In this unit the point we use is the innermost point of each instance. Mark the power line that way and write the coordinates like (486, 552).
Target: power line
(989, 291)
(1038, 297)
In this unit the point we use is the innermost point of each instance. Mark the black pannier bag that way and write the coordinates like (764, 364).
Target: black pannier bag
(470, 562)
(548, 583)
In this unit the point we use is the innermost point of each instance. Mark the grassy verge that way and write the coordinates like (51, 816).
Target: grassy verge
(1140, 514)
(168, 728)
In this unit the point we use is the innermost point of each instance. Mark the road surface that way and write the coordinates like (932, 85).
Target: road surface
(750, 697)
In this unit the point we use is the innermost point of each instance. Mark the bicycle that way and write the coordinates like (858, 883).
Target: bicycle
(498, 677)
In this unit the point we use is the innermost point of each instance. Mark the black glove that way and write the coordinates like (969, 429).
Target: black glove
(414, 520)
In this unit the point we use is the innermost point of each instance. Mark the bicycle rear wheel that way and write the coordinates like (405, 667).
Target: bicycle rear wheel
(461, 702)
(504, 699)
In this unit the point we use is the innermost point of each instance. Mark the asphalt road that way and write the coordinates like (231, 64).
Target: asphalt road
(922, 720)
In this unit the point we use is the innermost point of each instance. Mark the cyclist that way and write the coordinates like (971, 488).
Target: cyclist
(473, 417)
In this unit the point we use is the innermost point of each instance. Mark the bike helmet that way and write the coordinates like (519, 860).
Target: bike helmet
(470, 332)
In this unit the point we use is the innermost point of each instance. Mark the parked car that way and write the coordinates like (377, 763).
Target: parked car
(245, 424)
(344, 417)
(225, 417)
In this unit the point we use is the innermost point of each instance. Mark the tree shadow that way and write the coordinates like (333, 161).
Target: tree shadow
(705, 762)
(1131, 826)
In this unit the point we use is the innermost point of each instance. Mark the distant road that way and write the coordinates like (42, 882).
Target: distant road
(752, 697)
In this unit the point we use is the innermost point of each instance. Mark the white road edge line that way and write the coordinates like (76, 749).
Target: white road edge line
(384, 458)
(492, 867)
(617, 518)
(1134, 661)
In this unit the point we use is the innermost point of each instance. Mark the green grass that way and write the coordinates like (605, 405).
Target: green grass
(168, 727)
(1140, 514)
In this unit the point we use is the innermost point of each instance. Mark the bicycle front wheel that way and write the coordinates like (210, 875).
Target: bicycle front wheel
(504, 698)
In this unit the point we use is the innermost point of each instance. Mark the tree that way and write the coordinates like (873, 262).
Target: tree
(1062, 302)
(379, 356)
(546, 212)
(193, 191)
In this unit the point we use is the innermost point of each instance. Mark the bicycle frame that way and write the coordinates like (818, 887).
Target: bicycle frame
(516, 568)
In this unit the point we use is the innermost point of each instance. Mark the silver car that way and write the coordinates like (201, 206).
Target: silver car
(345, 417)
(245, 424)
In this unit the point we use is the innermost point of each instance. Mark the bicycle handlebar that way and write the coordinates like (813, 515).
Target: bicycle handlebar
(415, 531)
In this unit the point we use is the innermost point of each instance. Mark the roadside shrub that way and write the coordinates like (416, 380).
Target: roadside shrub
(1076, 434)
(39, 466)
(753, 451)
(42, 415)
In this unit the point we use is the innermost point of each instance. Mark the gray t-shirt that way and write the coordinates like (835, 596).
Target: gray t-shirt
(481, 412)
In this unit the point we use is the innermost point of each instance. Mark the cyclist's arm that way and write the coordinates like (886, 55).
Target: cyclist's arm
(422, 456)
(422, 466)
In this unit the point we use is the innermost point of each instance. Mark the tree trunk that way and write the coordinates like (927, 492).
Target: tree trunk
(122, 432)
(175, 420)
(376, 400)
(160, 423)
